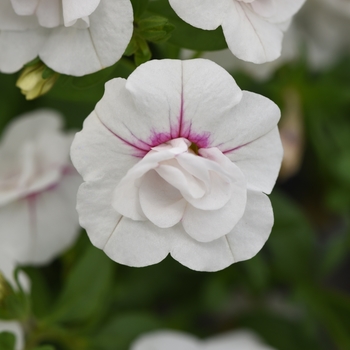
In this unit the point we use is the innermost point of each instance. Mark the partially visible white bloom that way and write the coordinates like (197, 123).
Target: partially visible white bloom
(15, 328)
(290, 52)
(74, 37)
(176, 159)
(173, 340)
(38, 186)
(253, 28)
(322, 24)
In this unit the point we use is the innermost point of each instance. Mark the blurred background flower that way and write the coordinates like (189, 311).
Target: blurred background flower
(71, 37)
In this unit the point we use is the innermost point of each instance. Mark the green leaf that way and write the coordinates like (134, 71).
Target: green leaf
(292, 241)
(186, 36)
(45, 347)
(86, 287)
(139, 7)
(7, 341)
(123, 329)
(283, 333)
(336, 251)
(332, 310)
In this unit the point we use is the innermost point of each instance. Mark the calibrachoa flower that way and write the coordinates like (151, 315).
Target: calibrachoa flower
(38, 187)
(175, 159)
(172, 340)
(73, 37)
(253, 28)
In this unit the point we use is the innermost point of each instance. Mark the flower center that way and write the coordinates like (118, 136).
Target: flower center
(178, 181)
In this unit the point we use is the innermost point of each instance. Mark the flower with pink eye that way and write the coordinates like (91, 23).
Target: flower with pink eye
(177, 159)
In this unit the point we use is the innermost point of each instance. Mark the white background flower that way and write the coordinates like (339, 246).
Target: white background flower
(147, 194)
(172, 340)
(38, 187)
(73, 37)
(322, 24)
(253, 28)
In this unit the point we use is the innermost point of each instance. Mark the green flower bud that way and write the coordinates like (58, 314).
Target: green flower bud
(156, 29)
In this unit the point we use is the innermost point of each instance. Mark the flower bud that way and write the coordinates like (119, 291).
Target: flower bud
(36, 80)
(156, 29)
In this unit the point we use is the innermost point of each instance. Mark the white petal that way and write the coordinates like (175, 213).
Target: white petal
(260, 161)
(209, 94)
(204, 14)
(199, 256)
(14, 327)
(75, 9)
(162, 204)
(111, 39)
(10, 21)
(24, 7)
(96, 214)
(253, 230)
(285, 9)
(28, 127)
(77, 52)
(252, 118)
(189, 187)
(19, 47)
(155, 93)
(264, 8)
(41, 227)
(103, 160)
(16, 221)
(96, 152)
(240, 339)
(54, 221)
(208, 225)
(49, 13)
(126, 194)
(70, 51)
(251, 37)
(135, 243)
(169, 340)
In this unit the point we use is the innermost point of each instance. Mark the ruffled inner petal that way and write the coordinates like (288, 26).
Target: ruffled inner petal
(161, 203)
(77, 9)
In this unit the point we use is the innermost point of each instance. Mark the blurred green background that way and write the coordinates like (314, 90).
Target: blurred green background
(295, 293)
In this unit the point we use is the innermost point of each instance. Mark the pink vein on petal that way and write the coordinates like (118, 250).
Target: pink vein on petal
(236, 148)
(142, 148)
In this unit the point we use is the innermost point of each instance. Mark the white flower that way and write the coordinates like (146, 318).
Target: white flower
(38, 186)
(173, 340)
(253, 28)
(175, 160)
(322, 24)
(75, 37)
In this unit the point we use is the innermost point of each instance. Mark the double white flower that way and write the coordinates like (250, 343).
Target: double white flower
(38, 186)
(175, 159)
(174, 340)
(74, 37)
(253, 28)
